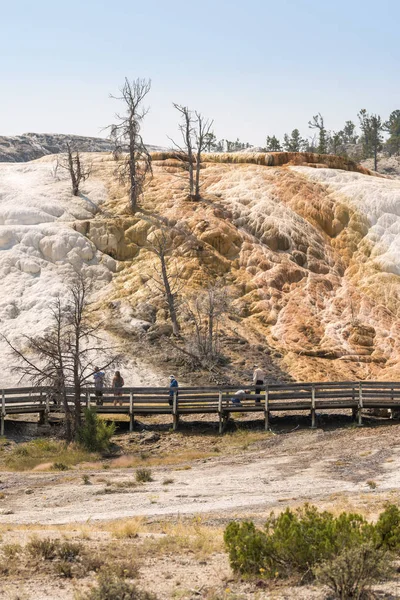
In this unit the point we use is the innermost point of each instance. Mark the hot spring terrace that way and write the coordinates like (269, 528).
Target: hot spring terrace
(287, 397)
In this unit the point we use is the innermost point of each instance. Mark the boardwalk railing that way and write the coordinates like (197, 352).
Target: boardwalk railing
(286, 397)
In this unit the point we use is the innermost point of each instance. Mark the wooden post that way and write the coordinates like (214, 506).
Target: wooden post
(360, 405)
(266, 410)
(220, 411)
(87, 399)
(313, 406)
(392, 399)
(3, 412)
(175, 412)
(131, 415)
(47, 410)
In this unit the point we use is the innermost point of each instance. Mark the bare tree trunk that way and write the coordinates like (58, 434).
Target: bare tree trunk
(189, 148)
(170, 296)
(74, 181)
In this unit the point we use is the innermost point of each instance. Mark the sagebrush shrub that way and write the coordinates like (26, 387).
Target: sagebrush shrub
(45, 548)
(143, 475)
(353, 571)
(95, 434)
(111, 587)
(69, 551)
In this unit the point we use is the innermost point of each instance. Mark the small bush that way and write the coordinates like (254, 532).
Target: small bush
(95, 434)
(387, 529)
(64, 569)
(92, 563)
(59, 466)
(143, 475)
(10, 551)
(68, 551)
(168, 481)
(111, 587)
(127, 569)
(86, 479)
(45, 548)
(353, 571)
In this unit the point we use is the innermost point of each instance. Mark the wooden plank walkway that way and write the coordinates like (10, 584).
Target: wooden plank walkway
(288, 397)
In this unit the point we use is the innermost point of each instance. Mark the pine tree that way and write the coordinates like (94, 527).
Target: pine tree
(392, 126)
(372, 138)
(349, 133)
(273, 144)
(294, 142)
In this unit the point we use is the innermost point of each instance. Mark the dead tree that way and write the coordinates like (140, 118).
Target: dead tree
(65, 356)
(132, 157)
(78, 171)
(195, 131)
(202, 132)
(169, 284)
(205, 311)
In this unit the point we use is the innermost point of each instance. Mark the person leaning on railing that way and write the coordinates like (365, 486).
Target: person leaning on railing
(239, 396)
(173, 389)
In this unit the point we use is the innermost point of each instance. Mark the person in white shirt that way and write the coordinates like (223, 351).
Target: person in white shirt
(258, 381)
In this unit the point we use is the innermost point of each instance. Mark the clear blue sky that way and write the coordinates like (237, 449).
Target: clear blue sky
(257, 66)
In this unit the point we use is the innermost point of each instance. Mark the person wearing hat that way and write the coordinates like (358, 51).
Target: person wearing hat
(173, 387)
(258, 381)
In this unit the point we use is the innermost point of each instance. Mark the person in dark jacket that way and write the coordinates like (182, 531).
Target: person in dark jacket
(173, 387)
(117, 384)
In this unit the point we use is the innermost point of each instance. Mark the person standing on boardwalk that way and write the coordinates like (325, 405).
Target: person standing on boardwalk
(258, 381)
(117, 384)
(98, 377)
(173, 387)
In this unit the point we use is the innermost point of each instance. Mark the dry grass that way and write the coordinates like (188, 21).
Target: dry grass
(44, 453)
(184, 537)
(164, 538)
(129, 528)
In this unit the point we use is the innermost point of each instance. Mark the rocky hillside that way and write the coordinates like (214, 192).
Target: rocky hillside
(309, 259)
(29, 146)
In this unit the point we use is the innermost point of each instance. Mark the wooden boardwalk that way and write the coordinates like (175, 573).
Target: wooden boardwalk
(286, 397)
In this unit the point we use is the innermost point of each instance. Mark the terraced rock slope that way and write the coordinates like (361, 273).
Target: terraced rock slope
(309, 256)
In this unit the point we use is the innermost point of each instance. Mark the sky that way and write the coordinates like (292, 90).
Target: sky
(257, 67)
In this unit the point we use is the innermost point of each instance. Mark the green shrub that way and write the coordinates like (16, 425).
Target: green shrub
(143, 475)
(293, 542)
(387, 529)
(111, 587)
(353, 571)
(95, 434)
